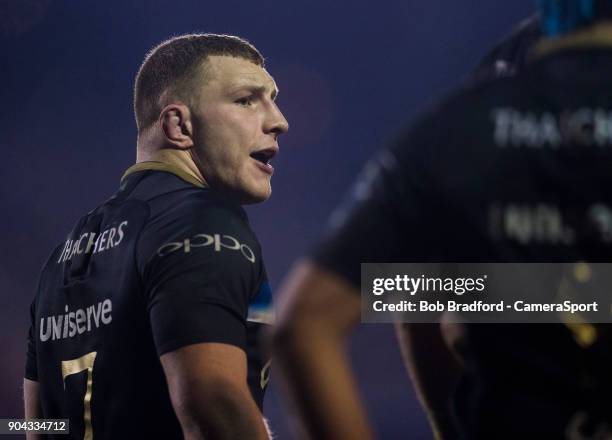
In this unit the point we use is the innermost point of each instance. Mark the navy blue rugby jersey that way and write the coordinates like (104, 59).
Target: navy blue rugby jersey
(162, 264)
(516, 169)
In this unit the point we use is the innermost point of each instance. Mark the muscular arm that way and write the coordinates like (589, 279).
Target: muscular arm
(434, 372)
(209, 393)
(317, 311)
(32, 405)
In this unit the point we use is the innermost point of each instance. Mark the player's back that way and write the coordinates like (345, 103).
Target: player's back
(525, 170)
(95, 358)
(515, 170)
(510, 170)
(93, 348)
(538, 144)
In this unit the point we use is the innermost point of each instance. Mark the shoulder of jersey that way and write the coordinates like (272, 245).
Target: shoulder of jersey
(191, 204)
(199, 219)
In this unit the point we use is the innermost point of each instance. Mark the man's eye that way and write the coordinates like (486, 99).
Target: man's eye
(246, 101)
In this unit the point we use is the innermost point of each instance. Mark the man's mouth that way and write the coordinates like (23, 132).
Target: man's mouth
(264, 155)
(263, 158)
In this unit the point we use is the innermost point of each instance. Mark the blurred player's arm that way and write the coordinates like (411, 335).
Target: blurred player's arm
(32, 405)
(209, 392)
(317, 311)
(434, 372)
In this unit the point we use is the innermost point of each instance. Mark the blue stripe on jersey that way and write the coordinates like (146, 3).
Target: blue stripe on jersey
(260, 308)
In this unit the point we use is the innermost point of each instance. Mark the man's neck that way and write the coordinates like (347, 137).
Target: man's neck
(180, 159)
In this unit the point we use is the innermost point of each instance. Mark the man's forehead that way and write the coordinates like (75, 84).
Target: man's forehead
(234, 72)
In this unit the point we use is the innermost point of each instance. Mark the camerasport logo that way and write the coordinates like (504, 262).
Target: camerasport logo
(217, 241)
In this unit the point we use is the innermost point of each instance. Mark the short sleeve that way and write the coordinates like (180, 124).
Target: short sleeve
(386, 212)
(200, 266)
(31, 368)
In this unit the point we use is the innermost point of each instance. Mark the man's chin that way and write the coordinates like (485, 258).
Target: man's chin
(257, 196)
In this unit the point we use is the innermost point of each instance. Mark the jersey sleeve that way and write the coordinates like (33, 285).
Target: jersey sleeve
(389, 206)
(31, 368)
(200, 267)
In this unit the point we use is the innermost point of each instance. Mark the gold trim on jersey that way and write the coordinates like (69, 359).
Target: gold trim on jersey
(161, 166)
(585, 334)
(597, 35)
(74, 366)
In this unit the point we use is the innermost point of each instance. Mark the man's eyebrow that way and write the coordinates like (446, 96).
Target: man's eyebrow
(255, 88)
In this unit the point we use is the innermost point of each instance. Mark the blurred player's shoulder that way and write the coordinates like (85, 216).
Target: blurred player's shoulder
(461, 116)
(508, 56)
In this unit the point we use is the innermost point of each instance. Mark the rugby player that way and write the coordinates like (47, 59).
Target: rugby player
(539, 139)
(147, 316)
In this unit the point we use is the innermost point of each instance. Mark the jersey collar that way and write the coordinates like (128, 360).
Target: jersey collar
(160, 166)
(596, 36)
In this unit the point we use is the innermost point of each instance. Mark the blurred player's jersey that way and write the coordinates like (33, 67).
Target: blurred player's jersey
(517, 169)
(162, 264)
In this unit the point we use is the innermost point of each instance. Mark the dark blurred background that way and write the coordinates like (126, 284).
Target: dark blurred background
(351, 74)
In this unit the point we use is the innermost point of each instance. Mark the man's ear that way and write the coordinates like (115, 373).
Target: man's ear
(175, 122)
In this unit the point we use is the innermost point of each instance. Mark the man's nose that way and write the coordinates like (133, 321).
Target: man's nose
(276, 122)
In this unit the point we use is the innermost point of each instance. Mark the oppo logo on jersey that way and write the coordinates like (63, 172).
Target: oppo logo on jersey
(202, 240)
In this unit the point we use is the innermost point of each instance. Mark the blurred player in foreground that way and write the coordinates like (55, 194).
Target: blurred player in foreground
(145, 323)
(541, 141)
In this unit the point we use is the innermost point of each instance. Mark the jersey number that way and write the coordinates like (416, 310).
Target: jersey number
(74, 366)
